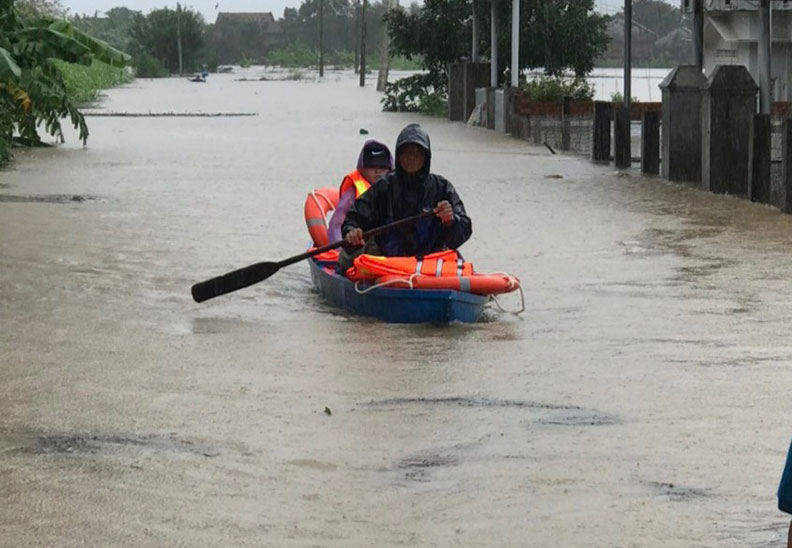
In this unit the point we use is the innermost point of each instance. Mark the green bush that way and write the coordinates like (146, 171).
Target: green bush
(555, 89)
(146, 66)
(618, 97)
(292, 56)
(417, 93)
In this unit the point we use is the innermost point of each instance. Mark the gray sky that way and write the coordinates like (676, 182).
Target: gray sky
(206, 7)
(208, 10)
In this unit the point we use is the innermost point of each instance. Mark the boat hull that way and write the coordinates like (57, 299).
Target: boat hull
(397, 305)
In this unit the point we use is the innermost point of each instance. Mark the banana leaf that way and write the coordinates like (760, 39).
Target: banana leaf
(8, 66)
(101, 50)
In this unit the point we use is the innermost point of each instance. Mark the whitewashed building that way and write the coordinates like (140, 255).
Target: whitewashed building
(731, 37)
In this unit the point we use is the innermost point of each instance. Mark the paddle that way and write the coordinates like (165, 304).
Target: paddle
(259, 272)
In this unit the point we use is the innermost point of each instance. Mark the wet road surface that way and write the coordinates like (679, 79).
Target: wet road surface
(641, 400)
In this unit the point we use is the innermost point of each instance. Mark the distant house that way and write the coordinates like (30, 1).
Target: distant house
(248, 35)
(643, 39)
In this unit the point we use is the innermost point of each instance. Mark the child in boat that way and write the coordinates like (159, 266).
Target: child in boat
(409, 190)
(785, 493)
(374, 161)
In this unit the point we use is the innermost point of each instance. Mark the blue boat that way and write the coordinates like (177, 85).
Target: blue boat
(396, 305)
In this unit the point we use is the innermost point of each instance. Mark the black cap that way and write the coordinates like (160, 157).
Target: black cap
(376, 157)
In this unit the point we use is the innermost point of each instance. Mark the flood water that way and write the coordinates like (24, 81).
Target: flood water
(643, 398)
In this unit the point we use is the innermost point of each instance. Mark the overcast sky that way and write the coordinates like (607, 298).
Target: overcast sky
(209, 8)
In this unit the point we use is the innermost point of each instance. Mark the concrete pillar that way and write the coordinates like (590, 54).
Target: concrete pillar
(516, 125)
(500, 111)
(491, 108)
(681, 136)
(786, 183)
(622, 146)
(650, 143)
(727, 109)
(759, 159)
(601, 141)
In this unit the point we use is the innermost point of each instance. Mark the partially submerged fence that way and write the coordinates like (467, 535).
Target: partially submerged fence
(705, 132)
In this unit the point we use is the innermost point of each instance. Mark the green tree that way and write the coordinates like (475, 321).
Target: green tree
(37, 8)
(301, 26)
(114, 28)
(555, 35)
(657, 15)
(155, 35)
(32, 90)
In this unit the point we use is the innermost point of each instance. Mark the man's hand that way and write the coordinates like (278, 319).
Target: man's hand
(444, 212)
(354, 237)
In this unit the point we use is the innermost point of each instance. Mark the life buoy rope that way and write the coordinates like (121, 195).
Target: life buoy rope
(409, 282)
(513, 312)
(394, 281)
(330, 203)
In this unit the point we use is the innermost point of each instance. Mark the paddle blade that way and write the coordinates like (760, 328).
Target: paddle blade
(232, 281)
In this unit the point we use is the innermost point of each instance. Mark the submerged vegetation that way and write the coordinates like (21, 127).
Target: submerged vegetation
(84, 82)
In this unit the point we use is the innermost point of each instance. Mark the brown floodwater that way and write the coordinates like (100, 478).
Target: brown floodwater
(642, 399)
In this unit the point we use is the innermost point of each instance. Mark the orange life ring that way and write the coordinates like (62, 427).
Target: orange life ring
(318, 205)
(480, 284)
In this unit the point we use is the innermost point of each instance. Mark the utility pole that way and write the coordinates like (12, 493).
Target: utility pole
(764, 53)
(698, 34)
(357, 34)
(515, 44)
(363, 44)
(622, 152)
(493, 45)
(627, 53)
(382, 77)
(474, 47)
(321, 38)
(178, 37)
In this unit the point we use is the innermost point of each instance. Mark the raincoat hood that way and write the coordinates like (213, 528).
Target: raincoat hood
(414, 134)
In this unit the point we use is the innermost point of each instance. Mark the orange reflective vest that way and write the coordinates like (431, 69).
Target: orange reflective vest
(357, 180)
(442, 263)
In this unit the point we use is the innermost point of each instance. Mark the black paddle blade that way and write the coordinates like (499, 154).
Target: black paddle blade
(232, 281)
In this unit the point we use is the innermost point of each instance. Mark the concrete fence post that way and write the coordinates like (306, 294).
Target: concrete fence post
(759, 159)
(681, 136)
(622, 145)
(601, 139)
(727, 108)
(566, 140)
(463, 79)
(491, 107)
(786, 183)
(650, 143)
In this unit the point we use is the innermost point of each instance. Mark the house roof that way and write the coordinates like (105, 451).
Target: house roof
(264, 17)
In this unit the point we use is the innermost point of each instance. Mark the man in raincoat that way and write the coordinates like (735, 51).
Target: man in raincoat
(409, 190)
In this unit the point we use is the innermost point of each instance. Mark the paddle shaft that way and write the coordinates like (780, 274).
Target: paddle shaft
(249, 275)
